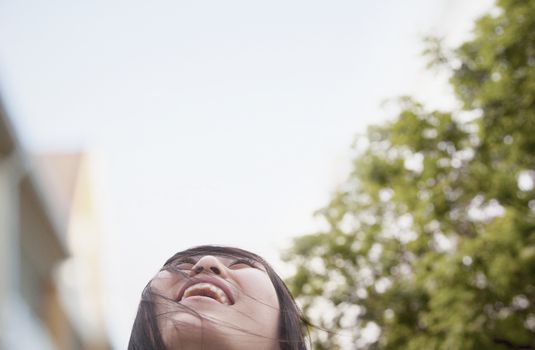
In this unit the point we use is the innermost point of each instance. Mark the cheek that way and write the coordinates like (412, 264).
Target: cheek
(256, 284)
(164, 283)
(171, 318)
(260, 304)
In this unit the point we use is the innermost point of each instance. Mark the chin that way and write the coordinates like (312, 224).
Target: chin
(185, 330)
(205, 323)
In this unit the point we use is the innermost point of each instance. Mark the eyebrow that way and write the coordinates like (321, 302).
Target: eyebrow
(228, 260)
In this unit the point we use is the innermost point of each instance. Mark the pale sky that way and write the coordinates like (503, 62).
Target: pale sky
(223, 122)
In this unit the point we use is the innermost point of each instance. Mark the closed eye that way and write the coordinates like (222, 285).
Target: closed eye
(183, 264)
(242, 263)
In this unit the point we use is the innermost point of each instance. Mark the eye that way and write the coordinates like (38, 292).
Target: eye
(242, 263)
(183, 264)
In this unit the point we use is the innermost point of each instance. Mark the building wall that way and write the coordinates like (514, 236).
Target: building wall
(70, 175)
(33, 246)
(23, 275)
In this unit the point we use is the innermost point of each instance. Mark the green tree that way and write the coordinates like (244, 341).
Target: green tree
(431, 239)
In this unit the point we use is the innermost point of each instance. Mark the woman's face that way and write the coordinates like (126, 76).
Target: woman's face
(216, 302)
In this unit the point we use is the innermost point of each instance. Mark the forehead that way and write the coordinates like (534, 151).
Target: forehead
(222, 258)
(222, 252)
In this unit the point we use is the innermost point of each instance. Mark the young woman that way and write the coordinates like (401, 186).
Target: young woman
(213, 297)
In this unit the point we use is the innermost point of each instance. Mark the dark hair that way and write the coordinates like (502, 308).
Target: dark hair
(146, 334)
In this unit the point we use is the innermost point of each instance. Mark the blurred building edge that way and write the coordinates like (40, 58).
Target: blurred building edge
(49, 260)
(69, 181)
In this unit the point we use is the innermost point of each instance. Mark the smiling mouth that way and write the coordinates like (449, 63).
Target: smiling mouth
(206, 290)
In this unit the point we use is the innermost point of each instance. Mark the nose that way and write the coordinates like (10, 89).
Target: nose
(209, 263)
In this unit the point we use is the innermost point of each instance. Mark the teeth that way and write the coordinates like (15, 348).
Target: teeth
(216, 291)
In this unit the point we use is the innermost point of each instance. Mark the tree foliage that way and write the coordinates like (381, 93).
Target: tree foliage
(431, 239)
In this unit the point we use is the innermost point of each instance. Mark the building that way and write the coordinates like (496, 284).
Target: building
(46, 262)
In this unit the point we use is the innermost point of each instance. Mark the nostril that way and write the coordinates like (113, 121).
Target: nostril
(198, 269)
(215, 270)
